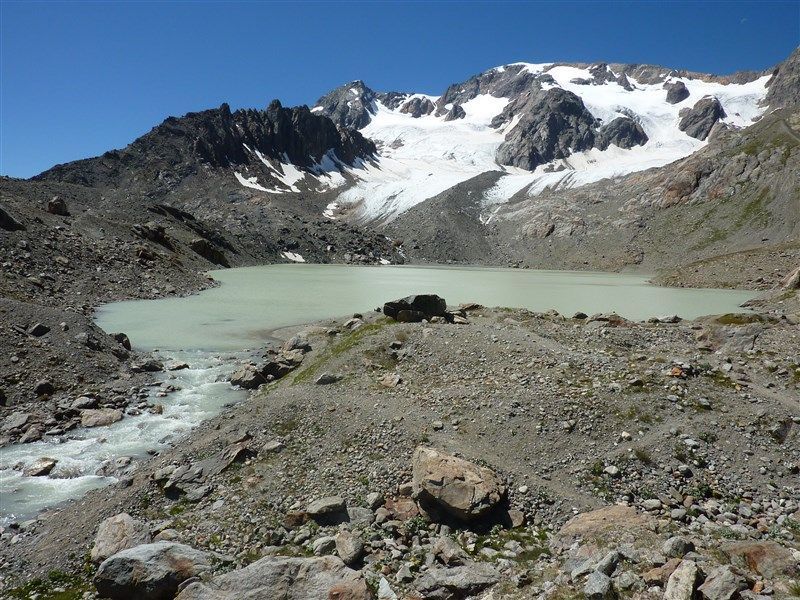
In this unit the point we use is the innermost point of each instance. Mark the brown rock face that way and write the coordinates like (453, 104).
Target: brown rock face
(458, 487)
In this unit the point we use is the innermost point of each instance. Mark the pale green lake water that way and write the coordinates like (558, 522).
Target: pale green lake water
(254, 300)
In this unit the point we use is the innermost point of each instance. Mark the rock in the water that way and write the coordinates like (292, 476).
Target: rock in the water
(118, 533)
(681, 584)
(40, 467)
(149, 365)
(97, 417)
(149, 571)
(598, 587)
(416, 308)
(283, 578)
(457, 582)
(460, 488)
(699, 121)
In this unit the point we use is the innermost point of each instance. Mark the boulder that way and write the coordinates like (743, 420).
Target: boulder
(38, 330)
(768, 559)
(97, 417)
(598, 587)
(149, 571)
(328, 378)
(40, 467)
(328, 510)
(283, 578)
(677, 547)
(9, 223)
(43, 387)
(57, 206)
(149, 365)
(296, 342)
(681, 584)
(722, 584)
(456, 486)
(457, 582)
(415, 308)
(349, 547)
(118, 533)
(123, 340)
(248, 377)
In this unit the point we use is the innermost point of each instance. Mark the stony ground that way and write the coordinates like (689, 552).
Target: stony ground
(685, 429)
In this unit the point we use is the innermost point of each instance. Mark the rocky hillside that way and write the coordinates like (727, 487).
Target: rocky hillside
(507, 454)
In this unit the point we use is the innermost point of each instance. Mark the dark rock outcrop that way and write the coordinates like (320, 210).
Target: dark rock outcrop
(699, 121)
(555, 123)
(785, 83)
(457, 112)
(219, 138)
(9, 223)
(350, 105)
(676, 92)
(623, 132)
(416, 107)
(416, 308)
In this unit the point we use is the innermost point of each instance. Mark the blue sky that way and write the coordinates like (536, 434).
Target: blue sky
(80, 78)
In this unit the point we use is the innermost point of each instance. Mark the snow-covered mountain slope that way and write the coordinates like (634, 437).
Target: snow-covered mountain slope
(553, 118)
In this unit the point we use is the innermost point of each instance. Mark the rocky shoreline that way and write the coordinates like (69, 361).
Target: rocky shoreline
(589, 457)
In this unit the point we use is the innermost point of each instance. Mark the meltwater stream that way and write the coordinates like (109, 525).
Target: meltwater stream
(254, 300)
(204, 390)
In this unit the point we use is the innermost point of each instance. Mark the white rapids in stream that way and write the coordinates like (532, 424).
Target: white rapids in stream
(204, 390)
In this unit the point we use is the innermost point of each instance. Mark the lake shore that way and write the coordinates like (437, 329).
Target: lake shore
(541, 399)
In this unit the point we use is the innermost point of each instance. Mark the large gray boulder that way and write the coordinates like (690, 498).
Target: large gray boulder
(682, 582)
(722, 584)
(416, 308)
(452, 583)
(699, 121)
(116, 534)
(464, 490)
(149, 572)
(283, 578)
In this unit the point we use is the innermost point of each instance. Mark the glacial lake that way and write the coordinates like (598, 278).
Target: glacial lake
(209, 330)
(252, 301)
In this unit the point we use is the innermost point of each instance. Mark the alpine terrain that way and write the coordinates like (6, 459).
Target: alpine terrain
(418, 450)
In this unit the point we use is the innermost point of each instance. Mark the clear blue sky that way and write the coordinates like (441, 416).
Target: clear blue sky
(80, 78)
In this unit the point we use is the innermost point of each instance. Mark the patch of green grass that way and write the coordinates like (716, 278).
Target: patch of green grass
(348, 342)
(643, 456)
(56, 586)
(755, 211)
(794, 589)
